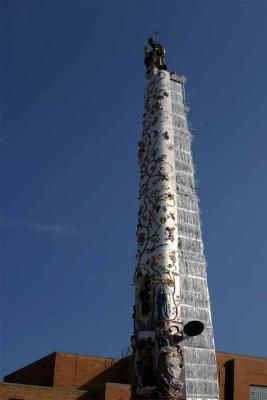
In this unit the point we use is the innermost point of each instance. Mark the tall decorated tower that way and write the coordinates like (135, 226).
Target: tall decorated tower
(173, 345)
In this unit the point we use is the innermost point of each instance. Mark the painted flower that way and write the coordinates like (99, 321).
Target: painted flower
(169, 282)
(170, 196)
(156, 259)
(166, 135)
(163, 176)
(170, 232)
(172, 257)
(162, 158)
(141, 237)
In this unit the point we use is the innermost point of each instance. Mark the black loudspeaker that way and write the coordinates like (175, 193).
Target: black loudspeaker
(193, 328)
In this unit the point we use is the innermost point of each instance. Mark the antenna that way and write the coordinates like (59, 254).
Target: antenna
(126, 351)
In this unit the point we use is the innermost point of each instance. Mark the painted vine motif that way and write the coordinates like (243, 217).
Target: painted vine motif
(158, 359)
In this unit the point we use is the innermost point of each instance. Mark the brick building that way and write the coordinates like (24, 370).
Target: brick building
(65, 376)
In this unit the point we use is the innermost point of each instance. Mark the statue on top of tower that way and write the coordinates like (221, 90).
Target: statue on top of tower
(155, 58)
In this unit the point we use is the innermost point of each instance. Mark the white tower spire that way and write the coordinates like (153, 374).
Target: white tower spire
(170, 278)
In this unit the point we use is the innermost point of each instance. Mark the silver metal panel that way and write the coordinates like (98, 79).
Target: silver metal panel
(199, 352)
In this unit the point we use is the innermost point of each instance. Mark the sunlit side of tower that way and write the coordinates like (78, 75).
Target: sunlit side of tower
(172, 358)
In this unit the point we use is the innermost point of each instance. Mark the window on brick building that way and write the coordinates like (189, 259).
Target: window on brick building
(257, 392)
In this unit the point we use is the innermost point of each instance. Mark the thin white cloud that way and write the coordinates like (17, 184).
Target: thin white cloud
(60, 230)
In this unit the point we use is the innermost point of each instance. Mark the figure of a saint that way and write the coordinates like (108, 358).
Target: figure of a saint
(162, 303)
(155, 58)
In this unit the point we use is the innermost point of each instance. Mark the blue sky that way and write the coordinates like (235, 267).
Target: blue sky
(73, 81)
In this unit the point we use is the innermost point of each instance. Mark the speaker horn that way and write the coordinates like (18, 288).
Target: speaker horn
(193, 328)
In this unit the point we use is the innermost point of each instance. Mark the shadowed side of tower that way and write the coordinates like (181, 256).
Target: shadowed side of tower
(199, 351)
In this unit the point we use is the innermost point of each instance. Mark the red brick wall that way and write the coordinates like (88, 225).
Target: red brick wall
(116, 391)
(39, 373)
(221, 360)
(72, 371)
(83, 372)
(25, 392)
(107, 376)
(247, 371)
